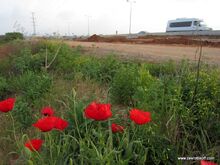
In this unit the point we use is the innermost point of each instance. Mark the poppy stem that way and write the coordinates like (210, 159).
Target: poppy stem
(48, 138)
(134, 130)
(13, 125)
(51, 154)
(74, 108)
(110, 135)
(107, 97)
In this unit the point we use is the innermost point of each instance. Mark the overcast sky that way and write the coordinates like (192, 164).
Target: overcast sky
(106, 16)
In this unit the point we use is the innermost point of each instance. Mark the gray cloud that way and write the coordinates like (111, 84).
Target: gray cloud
(107, 16)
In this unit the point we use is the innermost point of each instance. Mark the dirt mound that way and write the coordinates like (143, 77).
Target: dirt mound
(117, 39)
(96, 38)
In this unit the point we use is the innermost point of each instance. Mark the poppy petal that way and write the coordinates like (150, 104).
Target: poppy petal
(45, 124)
(117, 128)
(47, 111)
(140, 117)
(7, 105)
(61, 124)
(34, 144)
(98, 111)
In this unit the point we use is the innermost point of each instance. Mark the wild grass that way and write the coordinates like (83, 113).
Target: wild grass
(184, 123)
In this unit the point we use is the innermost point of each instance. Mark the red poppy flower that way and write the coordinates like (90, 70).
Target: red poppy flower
(34, 144)
(60, 124)
(98, 111)
(140, 117)
(7, 105)
(117, 128)
(45, 124)
(48, 123)
(47, 111)
(204, 162)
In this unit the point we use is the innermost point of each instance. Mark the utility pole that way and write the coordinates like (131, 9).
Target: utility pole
(88, 23)
(68, 29)
(131, 2)
(34, 24)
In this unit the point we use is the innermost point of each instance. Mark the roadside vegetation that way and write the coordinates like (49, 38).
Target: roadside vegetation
(11, 36)
(183, 101)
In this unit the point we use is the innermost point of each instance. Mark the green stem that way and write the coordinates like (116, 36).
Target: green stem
(48, 138)
(134, 130)
(110, 135)
(13, 125)
(74, 108)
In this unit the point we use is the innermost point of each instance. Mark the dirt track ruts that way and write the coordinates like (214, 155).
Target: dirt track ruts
(151, 52)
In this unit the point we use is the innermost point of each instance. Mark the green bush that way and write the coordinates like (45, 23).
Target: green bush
(21, 63)
(60, 57)
(2, 39)
(202, 97)
(102, 70)
(13, 36)
(183, 114)
(32, 85)
(90, 67)
(148, 93)
(108, 68)
(66, 60)
(22, 113)
(26, 61)
(3, 87)
(166, 68)
(124, 84)
(5, 67)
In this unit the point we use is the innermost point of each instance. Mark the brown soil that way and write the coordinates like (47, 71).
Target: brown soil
(5, 50)
(150, 52)
(167, 40)
(97, 38)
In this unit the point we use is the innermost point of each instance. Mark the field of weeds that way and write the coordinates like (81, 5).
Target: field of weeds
(61, 107)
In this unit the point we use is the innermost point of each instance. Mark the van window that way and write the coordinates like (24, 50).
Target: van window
(195, 23)
(181, 24)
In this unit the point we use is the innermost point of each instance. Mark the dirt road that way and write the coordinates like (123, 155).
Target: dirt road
(152, 53)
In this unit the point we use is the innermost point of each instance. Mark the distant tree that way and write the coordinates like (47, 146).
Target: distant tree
(13, 36)
(2, 38)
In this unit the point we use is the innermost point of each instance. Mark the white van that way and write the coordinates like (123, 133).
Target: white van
(186, 24)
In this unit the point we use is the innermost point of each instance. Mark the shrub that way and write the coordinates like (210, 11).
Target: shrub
(66, 60)
(5, 67)
(22, 113)
(102, 70)
(166, 68)
(3, 87)
(124, 84)
(202, 98)
(26, 61)
(90, 67)
(32, 85)
(21, 63)
(148, 93)
(13, 36)
(108, 69)
(2, 39)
